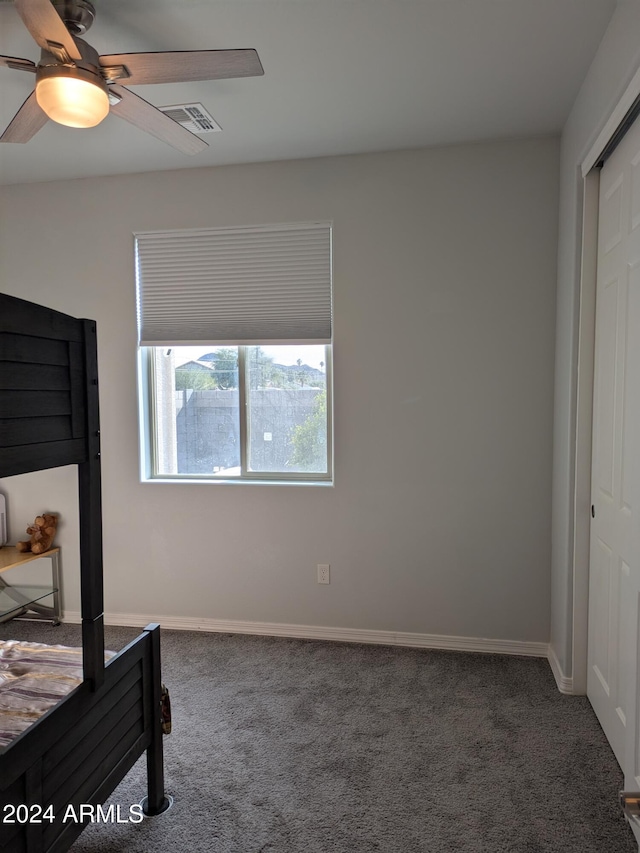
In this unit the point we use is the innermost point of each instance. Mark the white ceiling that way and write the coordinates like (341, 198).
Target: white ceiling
(341, 77)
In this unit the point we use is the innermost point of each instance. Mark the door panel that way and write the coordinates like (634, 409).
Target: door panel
(613, 685)
(612, 509)
(605, 385)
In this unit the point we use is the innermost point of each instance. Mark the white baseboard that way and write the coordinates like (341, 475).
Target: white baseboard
(316, 632)
(564, 682)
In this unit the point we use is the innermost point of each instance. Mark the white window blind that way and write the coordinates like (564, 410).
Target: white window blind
(251, 285)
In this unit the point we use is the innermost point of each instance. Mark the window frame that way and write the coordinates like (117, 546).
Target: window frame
(148, 421)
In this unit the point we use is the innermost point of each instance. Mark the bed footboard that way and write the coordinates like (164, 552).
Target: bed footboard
(79, 751)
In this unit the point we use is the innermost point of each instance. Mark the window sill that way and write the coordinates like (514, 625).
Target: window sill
(182, 481)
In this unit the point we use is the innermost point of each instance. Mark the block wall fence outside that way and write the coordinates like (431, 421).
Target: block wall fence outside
(207, 427)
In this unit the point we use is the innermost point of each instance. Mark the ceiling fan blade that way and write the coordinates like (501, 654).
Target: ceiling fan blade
(47, 27)
(184, 65)
(144, 115)
(26, 122)
(18, 64)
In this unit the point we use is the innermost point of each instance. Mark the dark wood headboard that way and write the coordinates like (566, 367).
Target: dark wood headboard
(43, 387)
(49, 417)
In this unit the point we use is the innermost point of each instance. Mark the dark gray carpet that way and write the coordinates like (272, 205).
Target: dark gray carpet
(293, 746)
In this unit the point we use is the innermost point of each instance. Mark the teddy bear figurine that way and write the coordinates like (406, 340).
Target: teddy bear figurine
(42, 533)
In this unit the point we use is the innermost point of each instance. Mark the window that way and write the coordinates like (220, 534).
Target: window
(235, 346)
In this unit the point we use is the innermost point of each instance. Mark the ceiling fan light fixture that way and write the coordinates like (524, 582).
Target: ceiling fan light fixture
(72, 96)
(78, 87)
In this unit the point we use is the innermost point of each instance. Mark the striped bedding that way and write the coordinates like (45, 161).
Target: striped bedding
(33, 678)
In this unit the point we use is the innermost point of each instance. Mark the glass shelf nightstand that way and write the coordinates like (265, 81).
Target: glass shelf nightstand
(18, 599)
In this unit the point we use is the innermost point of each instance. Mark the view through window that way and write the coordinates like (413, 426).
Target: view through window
(257, 412)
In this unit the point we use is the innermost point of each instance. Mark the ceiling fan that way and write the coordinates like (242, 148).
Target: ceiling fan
(78, 88)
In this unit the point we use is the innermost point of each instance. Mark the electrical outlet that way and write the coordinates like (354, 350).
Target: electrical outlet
(324, 573)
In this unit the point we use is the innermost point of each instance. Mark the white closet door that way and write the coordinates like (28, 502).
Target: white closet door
(615, 538)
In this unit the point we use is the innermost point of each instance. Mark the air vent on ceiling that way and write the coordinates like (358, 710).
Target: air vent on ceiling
(192, 116)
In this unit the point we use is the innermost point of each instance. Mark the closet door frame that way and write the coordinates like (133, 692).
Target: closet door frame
(581, 510)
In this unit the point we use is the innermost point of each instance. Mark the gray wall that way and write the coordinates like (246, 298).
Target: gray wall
(445, 275)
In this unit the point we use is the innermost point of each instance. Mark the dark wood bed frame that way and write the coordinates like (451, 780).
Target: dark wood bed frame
(80, 750)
